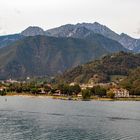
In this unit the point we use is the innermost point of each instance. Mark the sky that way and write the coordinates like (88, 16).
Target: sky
(119, 15)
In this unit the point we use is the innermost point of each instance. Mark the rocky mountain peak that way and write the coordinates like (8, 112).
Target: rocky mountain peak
(33, 31)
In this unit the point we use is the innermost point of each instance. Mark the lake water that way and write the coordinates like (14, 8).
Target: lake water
(32, 118)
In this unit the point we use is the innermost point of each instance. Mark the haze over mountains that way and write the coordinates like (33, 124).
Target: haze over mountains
(35, 52)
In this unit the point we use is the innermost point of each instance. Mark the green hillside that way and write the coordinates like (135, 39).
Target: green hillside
(132, 82)
(102, 70)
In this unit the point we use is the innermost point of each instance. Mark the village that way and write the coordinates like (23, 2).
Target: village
(65, 91)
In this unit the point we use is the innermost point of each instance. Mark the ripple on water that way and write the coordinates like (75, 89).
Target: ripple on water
(58, 120)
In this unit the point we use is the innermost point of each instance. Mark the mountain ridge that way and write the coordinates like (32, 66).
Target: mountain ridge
(127, 41)
(42, 55)
(67, 30)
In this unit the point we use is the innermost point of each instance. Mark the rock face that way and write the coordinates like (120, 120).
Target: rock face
(62, 31)
(33, 31)
(131, 43)
(69, 31)
(100, 29)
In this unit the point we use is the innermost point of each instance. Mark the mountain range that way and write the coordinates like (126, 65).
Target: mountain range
(69, 31)
(42, 55)
(35, 52)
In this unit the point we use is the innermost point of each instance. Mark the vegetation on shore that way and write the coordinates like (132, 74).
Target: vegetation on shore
(61, 91)
(132, 82)
(98, 73)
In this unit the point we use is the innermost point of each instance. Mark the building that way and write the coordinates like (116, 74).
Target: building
(79, 95)
(120, 92)
(12, 81)
(57, 93)
(84, 86)
(2, 88)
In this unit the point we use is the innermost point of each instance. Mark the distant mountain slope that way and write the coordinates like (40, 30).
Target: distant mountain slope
(62, 31)
(84, 33)
(9, 39)
(41, 55)
(131, 43)
(80, 30)
(101, 70)
(100, 29)
(68, 30)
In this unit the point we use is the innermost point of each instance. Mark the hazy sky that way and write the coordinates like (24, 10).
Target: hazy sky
(119, 15)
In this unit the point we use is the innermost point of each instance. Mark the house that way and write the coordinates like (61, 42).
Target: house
(73, 84)
(120, 92)
(84, 86)
(12, 81)
(42, 91)
(2, 88)
(57, 93)
(79, 95)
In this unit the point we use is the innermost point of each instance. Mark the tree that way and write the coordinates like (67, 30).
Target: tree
(2, 92)
(136, 91)
(47, 88)
(132, 82)
(64, 88)
(34, 90)
(99, 91)
(93, 90)
(110, 94)
(86, 94)
(75, 89)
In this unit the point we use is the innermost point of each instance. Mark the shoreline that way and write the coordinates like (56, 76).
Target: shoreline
(73, 98)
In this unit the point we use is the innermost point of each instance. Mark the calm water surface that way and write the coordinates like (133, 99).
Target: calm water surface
(32, 118)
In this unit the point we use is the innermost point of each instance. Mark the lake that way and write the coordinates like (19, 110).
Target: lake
(34, 118)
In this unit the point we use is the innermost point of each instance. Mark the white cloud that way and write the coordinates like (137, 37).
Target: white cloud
(120, 15)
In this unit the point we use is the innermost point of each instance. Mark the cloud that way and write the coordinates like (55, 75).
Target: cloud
(17, 11)
(2, 26)
(2, 31)
(138, 31)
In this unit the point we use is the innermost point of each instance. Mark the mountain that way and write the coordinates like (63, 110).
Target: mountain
(33, 31)
(42, 55)
(86, 34)
(30, 31)
(80, 30)
(9, 39)
(131, 43)
(102, 70)
(100, 29)
(68, 29)
(62, 31)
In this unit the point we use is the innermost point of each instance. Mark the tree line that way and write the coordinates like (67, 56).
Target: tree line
(65, 89)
